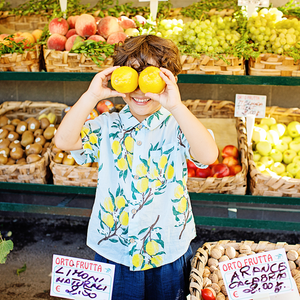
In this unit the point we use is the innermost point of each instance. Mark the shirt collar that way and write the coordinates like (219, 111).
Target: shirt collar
(152, 122)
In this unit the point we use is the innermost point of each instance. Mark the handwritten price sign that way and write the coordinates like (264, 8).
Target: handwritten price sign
(248, 276)
(250, 105)
(75, 278)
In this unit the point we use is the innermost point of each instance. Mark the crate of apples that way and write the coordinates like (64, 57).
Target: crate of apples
(229, 165)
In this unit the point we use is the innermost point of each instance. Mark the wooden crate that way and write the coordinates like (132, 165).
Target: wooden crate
(207, 65)
(268, 64)
(203, 276)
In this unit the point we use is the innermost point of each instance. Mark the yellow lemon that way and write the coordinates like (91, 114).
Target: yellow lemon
(124, 79)
(122, 164)
(84, 131)
(108, 220)
(116, 147)
(142, 185)
(147, 267)
(152, 247)
(120, 202)
(157, 260)
(129, 142)
(129, 159)
(153, 173)
(87, 146)
(178, 192)
(156, 183)
(108, 204)
(93, 138)
(141, 170)
(182, 205)
(137, 260)
(150, 80)
(98, 154)
(169, 172)
(124, 218)
(162, 162)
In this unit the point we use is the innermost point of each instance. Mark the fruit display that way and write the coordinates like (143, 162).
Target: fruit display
(276, 148)
(229, 165)
(24, 141)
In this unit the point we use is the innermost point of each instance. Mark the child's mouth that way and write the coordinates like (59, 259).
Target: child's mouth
(141, 100)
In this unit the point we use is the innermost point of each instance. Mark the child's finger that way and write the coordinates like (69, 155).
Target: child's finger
(167, 76)
(153, 96)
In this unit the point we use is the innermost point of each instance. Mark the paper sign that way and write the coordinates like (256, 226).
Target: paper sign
(153, 7)
(254, 105)
(256, 275)
(76, 278)
(257, 3)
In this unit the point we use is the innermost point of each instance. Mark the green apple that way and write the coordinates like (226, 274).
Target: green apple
(296, 160)
(258, 134)
(263, 126)
(268, 172)
(278, 168)
(264, 148)
(298, 153)
(276, 155)
(267, 161)
(260, 166)
(297, 175)
(295, 145)
(256, 156)
(296, 138)
(281, 146)
(268, 121)
(286, 138)
(293, 129)
(272, 137)
(288, 156)
(279, 128)
(286, 174)
(293, 168)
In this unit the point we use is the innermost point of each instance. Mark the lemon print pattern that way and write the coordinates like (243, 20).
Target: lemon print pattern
(152, 247)
(129, 159)
(129, 142)
(169, 172)
(124, 218)
(84, 131)
(141, 170)
(93, 139)
(116, 147)
(142, 185)
(108, 204)
(87, 146)
(162, 162)
(108, 220)
(137, 260)
(120, 202)
(122, 164)
(157, 260)
(178, 192)
(182, 205)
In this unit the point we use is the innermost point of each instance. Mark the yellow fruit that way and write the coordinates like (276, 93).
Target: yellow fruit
(162, 162)
(124, 218)
(169, 172)
(147, 267)
(137, 260)
(52, 117)
(122, 164)
(156, 183)
(93, 138)
(129, 142)
(129, 159)
(116, 147)
(120, 202)
(141, 170)
(108, 204)
(178, 192)
(108, 220)
(157, 260)
(182, 205)
(87, 146)
(42, 116)
(142, 185)
(150, 81)
(124, 79)
(152, 247)
(84, 131)
(153, 173)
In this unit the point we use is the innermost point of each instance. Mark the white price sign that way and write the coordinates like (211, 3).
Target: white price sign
(254, 105)
(257, 3)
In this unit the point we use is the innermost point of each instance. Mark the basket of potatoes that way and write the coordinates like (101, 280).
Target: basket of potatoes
(26, 132)
(67, 172)
(206, 276)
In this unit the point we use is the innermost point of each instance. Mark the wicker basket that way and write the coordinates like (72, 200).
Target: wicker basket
(23, 23)
(278, 186)
(64, 61)
(37, 172)
(236, 184)
(73, 175)
(29, 61)
(208, 65)
(274, 65)
(201, 274)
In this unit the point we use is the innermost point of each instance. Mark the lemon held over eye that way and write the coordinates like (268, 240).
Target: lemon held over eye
(150, 81)
(124, 79)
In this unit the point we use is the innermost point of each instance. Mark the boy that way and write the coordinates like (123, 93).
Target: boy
(141, 220)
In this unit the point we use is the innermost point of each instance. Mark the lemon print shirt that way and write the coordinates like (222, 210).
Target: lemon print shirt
(142, 215)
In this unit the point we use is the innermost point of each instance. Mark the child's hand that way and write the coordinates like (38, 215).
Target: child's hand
(98, 87)
(170, 98)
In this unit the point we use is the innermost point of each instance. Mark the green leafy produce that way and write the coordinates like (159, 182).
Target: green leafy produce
(4, 6)
(291, 8)
(5, 248)
(10, 46)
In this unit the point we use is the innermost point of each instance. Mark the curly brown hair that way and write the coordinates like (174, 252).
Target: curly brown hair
(136, 52)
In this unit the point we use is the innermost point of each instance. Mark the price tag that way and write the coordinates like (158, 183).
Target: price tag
(261, 275)
(63, 6)
(252, 4)
(250, 105)
(76, 278)
(153, 7)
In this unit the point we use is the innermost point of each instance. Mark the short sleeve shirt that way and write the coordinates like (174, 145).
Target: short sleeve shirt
(142, 215)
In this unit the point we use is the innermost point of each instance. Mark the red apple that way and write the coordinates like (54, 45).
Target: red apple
(105, 106)
(220, 170)
(235, 169)
(230, 150)
(203, 173)
(230, 161)
(191, 165)
(191, 172)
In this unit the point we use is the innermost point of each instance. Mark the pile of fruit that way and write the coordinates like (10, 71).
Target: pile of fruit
(25, 141)
(229, 166)
(276, 148)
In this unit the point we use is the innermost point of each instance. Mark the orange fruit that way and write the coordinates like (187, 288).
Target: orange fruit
(150, 81)
(124, 79)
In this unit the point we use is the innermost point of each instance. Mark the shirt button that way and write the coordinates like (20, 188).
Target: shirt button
(136, 177)
(133, 211)
(131, 241)
(140, 126)
(139, 143)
